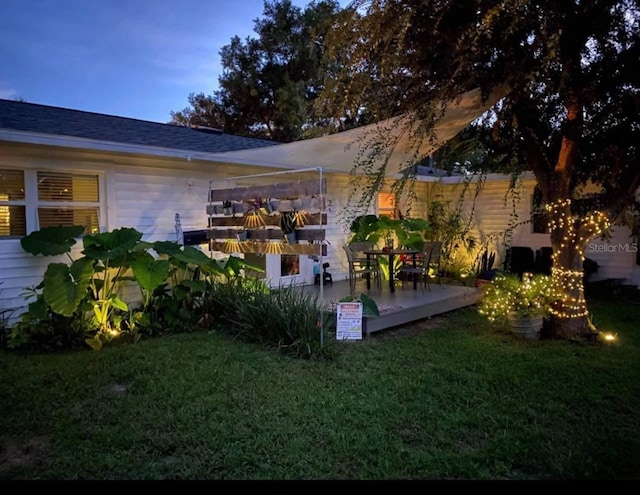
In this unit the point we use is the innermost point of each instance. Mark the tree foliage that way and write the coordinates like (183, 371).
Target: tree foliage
(567, 74)
(270, 81)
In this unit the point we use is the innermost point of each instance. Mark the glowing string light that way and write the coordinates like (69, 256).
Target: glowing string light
(566, 282)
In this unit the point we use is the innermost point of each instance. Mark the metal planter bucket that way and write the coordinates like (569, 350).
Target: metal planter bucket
(527, 327)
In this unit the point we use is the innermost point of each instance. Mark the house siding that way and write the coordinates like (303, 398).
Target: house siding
(494, 211)
(147, 197)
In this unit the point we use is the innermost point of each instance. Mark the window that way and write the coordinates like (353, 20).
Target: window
(31, 200)
(12, 204)
(68, 199)
(539, 216)
(289, 265)
(386, 205)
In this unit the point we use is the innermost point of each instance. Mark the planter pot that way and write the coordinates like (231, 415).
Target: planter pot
(291, 237)
(242, 235)
(527, 327)
(316, 204)
(228, 210)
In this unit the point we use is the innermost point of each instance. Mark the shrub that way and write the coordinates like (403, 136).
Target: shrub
(41, 329)
(286, 318)
(507, 293)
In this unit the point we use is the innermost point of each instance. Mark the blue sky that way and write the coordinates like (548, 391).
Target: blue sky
(133, 58)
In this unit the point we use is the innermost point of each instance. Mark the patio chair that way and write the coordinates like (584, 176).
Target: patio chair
(428, 259)
(434, 262)
(358, 264)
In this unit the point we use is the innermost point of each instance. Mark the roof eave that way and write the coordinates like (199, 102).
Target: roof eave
(86, 144)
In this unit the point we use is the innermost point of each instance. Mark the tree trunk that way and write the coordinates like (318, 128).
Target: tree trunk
(570, 317)
(569, 234)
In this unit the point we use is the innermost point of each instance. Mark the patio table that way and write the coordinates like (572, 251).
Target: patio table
(392, 253)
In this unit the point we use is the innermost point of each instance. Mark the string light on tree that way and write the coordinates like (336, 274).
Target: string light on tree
(573, 232)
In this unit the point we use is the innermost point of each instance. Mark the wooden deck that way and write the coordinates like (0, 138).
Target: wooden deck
(405, 304)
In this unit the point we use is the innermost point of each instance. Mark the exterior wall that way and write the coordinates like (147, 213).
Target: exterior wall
(146, 194)
(338, 209)
(493, 212)
(20, 271)
(148, 199)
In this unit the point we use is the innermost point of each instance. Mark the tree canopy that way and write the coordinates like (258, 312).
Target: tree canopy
(567, 72)
(269, 82)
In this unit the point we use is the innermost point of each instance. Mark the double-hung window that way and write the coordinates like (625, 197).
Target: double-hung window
(34, 199)
(12, 204)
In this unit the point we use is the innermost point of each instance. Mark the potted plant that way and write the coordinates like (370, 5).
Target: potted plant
(523, 303)
(254, 217)
(288, 225)
(227, 207)
(486, 272)
(410, 232)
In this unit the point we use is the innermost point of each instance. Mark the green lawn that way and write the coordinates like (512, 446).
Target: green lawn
(447, 398)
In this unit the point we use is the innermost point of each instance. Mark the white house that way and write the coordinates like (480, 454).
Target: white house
(62, 166)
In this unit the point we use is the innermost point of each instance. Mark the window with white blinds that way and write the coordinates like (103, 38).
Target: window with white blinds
(31, 200)
(69, 199)
(12, 204)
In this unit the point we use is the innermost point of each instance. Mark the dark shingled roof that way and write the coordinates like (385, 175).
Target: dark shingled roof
(22, 116)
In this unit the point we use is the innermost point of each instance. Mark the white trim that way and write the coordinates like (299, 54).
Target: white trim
(73, 142)
(108, 185)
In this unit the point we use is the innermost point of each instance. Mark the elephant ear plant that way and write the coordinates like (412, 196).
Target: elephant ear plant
(93, 280)
(175, 285)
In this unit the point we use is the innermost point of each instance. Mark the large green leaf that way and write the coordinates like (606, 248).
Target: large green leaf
(150, 273)
(191, 256)
(118, 303)
(234, 266)
(51, 241)
(166, 247)
(413, 240)
(363, 226)
(369, 306)
(143, 246)
(112, 246)
(66, 286)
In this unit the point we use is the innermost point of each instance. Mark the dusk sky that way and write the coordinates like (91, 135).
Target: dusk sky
(133, 58)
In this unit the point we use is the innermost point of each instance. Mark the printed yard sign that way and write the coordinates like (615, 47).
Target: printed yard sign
(349, 325)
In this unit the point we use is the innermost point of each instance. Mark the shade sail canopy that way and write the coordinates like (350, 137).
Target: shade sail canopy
(339, 152)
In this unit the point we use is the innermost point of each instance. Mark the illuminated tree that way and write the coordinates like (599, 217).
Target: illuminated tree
(567, 72)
